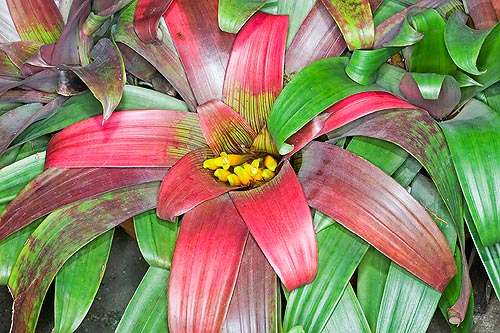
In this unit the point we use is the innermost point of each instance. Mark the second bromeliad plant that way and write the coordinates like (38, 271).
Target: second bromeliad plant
(255, 178)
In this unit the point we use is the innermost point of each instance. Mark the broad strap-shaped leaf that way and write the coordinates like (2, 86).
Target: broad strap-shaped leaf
(62, 234)
(255, 301)
(187, 185)
(355, 20)
(79, 280)
(11, 123)
(475, 148)
(36, 20)
(371, 204)
(153, 138)
(145, 312)
(297, 10)
(364, 64)
(485, 14)
(254, 75)
(57, 187)
(203, 52)
(342, 113)
(16, 53)
(232, 15)
(105, 76)
(224, 129)
(279, 219)
(327, 84)
(205, 266)
(147, 17)
(339, 253)
(8, 33)
(318, 37)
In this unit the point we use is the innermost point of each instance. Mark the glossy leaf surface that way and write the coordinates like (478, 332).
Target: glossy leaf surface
(234, 14)
(147, 17)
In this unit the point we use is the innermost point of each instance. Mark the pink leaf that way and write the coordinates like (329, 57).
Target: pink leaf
(147, 17)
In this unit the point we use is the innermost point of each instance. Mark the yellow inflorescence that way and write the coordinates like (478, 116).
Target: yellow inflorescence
(241, 170)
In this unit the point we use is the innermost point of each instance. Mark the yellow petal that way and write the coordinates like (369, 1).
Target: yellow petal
(233, 180)
(222, 174)
(270, 163)
(243, 175)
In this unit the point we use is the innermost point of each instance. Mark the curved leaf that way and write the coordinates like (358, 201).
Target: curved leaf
(12, 122)
(376, 208)
(364, 64)
(233, 14)
(59, 237)
(254, 74)
(297, 10)
(147, 17)
(205, 266)
(280, 221)
(155, 138)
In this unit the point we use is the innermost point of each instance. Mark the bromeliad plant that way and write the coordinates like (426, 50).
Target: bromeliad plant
(258, 168)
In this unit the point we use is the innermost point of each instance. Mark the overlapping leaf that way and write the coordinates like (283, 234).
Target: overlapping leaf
(233, 14)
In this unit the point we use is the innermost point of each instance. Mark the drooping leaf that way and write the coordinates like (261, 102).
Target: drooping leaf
(187, 185)
(355, 20)
(255, 302)
(364, 64)
(311, 305)
(147, 17)
(12, 122)
(57, 187)
(280, 221)
(145, 312)
(204, 52)
(224, 129)
(374, 208)
(78, 280)
(59, 237)
(121, 141)
(156, 238)
(36, 20)
(254, 74)
(205, 266)
(15, 54)
(233, 14)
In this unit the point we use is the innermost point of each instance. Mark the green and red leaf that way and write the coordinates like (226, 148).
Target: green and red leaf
(205, 266)
(279, 219)
(234, 14)
(147, 17)
(121, 141)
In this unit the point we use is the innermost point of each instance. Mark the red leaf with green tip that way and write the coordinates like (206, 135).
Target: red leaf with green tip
(147, 17)
(255, 300)
(36, 20)
(343, 112)
(187, 185)
(16, 54)
(374, 206)
(59, 236)
(355, 20)
(205, 266)
(254, 75)
(204, 52)
(154, 138)
(105, 76)
(224, 129)
(318, 37)
(279, 219)
(57, 187)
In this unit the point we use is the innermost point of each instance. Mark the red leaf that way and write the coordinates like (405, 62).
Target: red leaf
(279, 219)
(254, 75)
(374, 206)
(224, 129)
(187, 185)
(147, 17)
(205, 266)
(55, 188)
(204, 52)
(151, 138)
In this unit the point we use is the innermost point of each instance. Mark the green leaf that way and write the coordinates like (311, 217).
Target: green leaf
(78, 281)
(297, 10)
(233, 14)
(312, 305)
(364, 64)
(156, 238)
(327, 84)
(475, 149)
(146, 311)
(61, 235)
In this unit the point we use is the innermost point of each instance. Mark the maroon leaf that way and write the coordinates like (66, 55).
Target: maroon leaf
(147, 17)
(16, 54)
(279, 219)
(204, 52)
(485, 14)
(187, 185)
(254, 75)
(152, 138)
(224, 129)
(255, 301)
(318, 37)
(374, 206)
(56, 187)
(205, 266)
